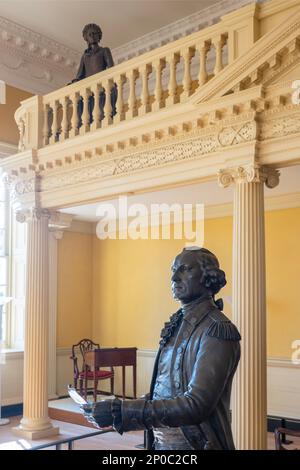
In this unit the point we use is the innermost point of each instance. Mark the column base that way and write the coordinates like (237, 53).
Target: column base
(33, 435)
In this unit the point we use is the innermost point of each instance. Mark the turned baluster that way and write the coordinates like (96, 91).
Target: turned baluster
(203, 50)
(64, 122)
(54, 134)
(96, 111)
(187, 79)
(219, 43)
(107, 107)
(21, 127)
(120, 102)
(75, 116)
(46, 127)
(132, 75)
(172, 88)
(85, 114)
(145, 107)
(158, 92)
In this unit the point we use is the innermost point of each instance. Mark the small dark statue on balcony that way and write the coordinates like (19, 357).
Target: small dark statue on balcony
(95, 59)
(188, 404)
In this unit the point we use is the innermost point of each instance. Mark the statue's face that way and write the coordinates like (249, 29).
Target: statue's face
(92, 36)
(187, 277)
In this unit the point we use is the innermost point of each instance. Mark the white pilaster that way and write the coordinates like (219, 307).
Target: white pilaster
(52, 314)
(35, 423)
(249, 402)
(57, 224)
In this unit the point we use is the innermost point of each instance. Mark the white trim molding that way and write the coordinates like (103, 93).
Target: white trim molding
(180, 28)
(7, 149)
(32, 61)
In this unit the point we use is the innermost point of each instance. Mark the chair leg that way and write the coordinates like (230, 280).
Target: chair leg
(95, 390)
(112, 382)
(81, 387)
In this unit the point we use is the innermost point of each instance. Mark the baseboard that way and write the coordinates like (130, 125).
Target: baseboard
(277, 422)
(12, 410)
(273, 422)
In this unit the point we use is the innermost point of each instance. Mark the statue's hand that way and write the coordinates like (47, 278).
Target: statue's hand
(99, 413)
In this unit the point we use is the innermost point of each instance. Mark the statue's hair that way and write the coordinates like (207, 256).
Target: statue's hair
(89, 26)
(213, 277)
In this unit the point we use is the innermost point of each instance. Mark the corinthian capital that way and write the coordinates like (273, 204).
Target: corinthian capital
(249, 174)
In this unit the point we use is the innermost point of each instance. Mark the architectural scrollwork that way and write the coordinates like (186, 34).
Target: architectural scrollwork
(249, 174)
(32, 214)
(237, 134)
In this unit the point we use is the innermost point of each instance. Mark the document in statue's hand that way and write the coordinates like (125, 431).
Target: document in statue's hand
(75, 396)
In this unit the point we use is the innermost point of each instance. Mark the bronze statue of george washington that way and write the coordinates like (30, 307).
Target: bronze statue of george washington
(188, 404)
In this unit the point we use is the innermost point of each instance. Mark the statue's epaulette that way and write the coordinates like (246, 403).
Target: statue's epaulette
(223, 329)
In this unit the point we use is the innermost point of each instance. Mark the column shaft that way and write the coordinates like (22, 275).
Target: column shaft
(249, 314)
(35, 422)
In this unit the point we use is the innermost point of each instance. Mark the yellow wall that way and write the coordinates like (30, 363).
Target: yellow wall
(8, 129)
(283, 280)
(131, 284)
(74, 320)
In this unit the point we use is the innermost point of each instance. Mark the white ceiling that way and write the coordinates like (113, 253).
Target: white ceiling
(205, 193)
(121, 20)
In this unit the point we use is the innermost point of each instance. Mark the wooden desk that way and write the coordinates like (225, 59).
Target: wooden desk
(113, 357)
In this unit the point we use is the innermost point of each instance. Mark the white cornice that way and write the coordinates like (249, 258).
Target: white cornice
(33, 62)
(187, 25)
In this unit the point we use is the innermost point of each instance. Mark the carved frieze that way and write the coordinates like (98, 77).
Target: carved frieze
(152, 158)
(280, 127)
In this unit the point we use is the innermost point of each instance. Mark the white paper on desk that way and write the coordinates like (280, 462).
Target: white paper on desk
(75, 396)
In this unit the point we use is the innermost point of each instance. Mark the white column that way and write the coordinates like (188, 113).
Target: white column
(249, 401)
(35, 423)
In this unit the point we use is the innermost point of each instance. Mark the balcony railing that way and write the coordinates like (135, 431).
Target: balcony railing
(158, 79)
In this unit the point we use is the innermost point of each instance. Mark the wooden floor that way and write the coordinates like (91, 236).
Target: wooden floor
(109, 441)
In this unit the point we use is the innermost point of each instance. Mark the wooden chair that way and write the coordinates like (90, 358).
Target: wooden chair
(279, 432)
(84, 374)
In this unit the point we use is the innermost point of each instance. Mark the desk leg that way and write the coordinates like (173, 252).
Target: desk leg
(123, 381)
(134, 381)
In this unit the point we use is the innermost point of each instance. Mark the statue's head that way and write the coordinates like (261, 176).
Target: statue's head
(92, 33)
(196, 273)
